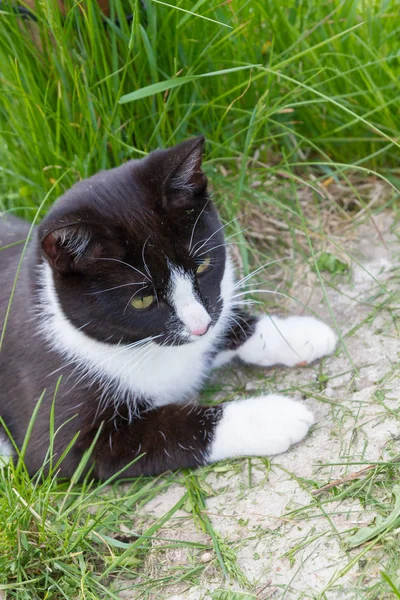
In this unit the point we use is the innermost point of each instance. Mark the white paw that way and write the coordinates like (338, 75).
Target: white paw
(260, 427)
(223, 358)
(292, 341)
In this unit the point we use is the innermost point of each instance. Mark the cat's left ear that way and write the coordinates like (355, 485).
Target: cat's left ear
(185, 179)
(72, 248)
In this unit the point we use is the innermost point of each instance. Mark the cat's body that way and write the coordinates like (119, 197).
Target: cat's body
(127, 294)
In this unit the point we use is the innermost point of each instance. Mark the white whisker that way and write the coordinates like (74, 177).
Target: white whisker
(195, 224)
(131, 298)
(122, 262)
(213, 248)
(141, 342)
(146, 268)
(123, 348)
(214, 233)
(250, 275)
(262, 292)
(237, 233)
(225, 243)
(115, 288)
(237, 323)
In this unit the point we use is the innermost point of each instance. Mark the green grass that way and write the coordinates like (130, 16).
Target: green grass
(315, 83)
(63, 541)
(290, 96)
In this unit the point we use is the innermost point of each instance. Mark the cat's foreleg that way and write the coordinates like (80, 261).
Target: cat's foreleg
(174, 436)
(241, 327)
(291, 341)
(272, 340)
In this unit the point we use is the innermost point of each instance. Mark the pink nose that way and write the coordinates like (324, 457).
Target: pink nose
(201, 330)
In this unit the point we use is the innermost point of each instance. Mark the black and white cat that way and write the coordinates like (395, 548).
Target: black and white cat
(128, 293)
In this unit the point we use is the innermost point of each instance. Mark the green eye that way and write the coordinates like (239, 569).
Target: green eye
(204, 265)
(142, 303)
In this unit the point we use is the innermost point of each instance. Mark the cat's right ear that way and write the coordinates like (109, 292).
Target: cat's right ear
(185, 179)
(66, 248)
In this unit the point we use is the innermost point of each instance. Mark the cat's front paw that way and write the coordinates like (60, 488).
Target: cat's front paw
(261, 426)
(292, 341)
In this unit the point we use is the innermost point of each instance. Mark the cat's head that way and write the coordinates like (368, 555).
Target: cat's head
(138, 251)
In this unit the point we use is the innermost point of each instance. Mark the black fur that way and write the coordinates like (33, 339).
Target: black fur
(107, 232)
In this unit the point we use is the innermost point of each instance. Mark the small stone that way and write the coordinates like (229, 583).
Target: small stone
(206, 557)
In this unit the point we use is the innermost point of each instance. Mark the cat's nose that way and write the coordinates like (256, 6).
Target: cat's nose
(194, 317)
(201, 330)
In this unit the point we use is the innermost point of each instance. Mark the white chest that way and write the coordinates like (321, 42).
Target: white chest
(163, 374)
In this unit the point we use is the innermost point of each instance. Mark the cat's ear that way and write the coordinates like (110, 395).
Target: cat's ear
(68, 248)
(185, 179)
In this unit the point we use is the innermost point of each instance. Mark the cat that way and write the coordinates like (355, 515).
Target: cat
(127, 293)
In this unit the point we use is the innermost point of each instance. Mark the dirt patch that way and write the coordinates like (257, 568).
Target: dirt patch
(288, 542)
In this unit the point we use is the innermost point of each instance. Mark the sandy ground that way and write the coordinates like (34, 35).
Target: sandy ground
(284, 552)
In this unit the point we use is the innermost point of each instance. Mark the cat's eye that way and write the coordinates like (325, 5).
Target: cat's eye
(203, 266)
(142, 303)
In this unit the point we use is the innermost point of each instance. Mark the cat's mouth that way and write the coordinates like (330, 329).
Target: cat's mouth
(184, 337)
(197, 338)
(187, 339)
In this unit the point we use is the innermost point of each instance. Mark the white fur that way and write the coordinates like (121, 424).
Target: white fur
(76, 239)
(187, 307)
(259, 427)
(289, 342)
(223, 358)
(163, 374)
(182, 178)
